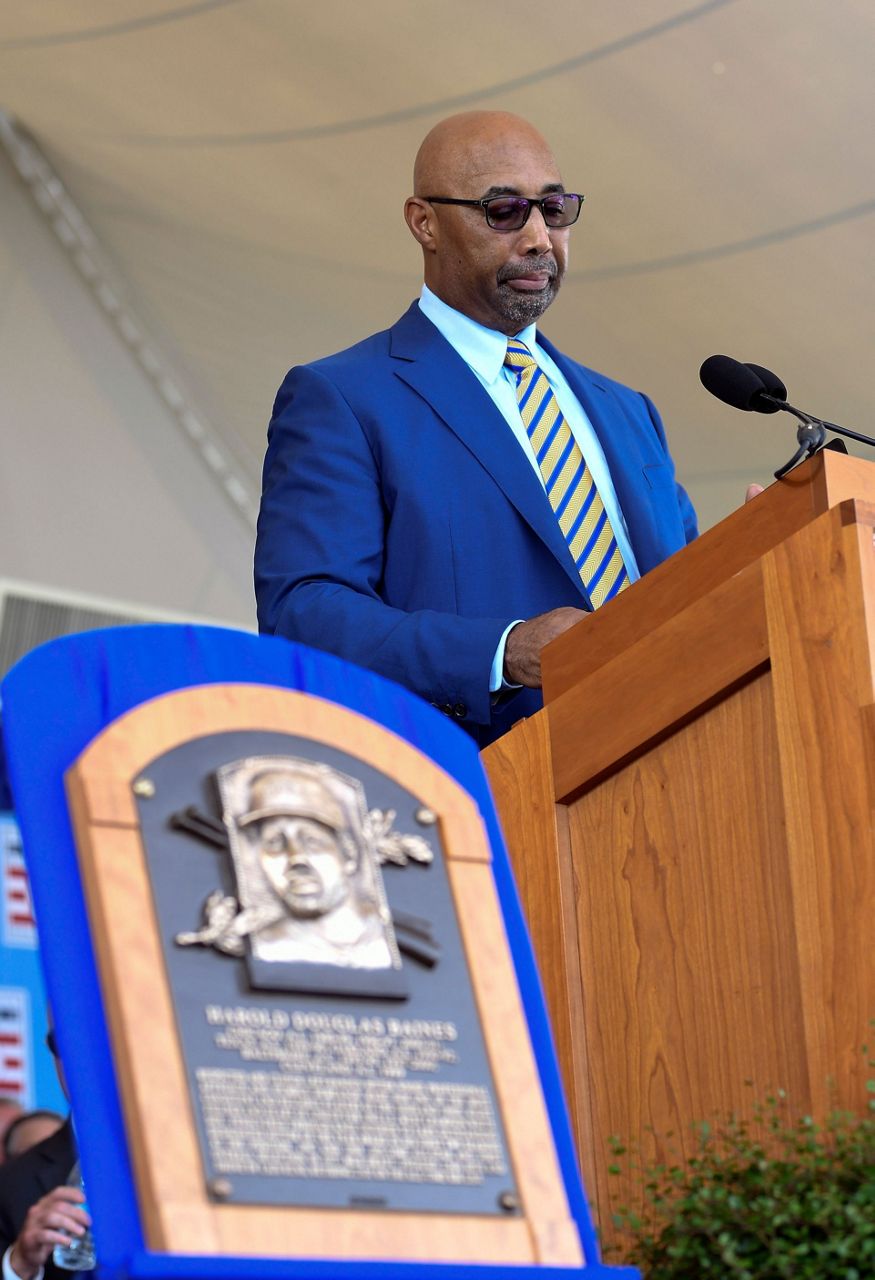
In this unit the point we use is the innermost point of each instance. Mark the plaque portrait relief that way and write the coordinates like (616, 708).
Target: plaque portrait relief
(310, 911)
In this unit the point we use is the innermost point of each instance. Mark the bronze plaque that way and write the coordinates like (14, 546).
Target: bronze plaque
(323, 1000)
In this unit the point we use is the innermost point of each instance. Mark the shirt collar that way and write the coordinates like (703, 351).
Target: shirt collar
(481, 348)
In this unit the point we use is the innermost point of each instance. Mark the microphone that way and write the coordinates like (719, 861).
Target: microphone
(772, 385)
(735, 383)
(751, 387)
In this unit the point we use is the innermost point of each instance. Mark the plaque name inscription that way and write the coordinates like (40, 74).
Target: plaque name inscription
(334, 1044)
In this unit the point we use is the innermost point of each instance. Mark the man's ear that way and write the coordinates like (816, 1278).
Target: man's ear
(420, 218)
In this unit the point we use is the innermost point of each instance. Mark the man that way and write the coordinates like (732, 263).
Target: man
(434, 513)
(37, 1211)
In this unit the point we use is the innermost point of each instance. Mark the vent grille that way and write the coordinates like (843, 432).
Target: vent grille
(28, 621)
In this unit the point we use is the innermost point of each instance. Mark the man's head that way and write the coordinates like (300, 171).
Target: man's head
(502, 279)
(28, 1129)
(305, 853)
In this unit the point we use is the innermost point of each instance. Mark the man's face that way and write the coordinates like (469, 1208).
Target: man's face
(502, 279)
(304, 864)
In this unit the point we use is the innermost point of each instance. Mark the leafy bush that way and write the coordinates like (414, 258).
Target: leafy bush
(763, 1200)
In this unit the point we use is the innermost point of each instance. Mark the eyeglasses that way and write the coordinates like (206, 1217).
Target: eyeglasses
(509, 213)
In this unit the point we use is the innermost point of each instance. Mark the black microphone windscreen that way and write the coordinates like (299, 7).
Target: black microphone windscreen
(731, 381)
(772, 385)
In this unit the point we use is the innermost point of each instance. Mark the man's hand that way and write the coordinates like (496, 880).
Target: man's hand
(753, 491)
(56, 1219)
(522, 652)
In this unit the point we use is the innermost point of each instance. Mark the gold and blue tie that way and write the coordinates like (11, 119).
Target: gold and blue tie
(570, 487)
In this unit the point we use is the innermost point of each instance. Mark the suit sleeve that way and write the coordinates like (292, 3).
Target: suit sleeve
(686, 510)
(10, 1218)
(320, 557)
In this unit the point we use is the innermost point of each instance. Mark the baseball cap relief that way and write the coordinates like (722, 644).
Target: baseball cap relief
(279, 794)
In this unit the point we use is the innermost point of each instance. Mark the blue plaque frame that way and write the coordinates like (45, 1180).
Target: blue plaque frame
(55, 701)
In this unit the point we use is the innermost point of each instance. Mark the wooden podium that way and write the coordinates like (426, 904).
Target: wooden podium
(690, 819)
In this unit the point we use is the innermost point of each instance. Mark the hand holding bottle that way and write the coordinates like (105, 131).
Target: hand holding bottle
(58, 1218)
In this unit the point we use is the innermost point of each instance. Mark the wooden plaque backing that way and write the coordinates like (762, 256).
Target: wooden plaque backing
(177, 1215)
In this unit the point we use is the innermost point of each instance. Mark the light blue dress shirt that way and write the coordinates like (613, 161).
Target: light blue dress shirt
(9, 1274)
(483, 350)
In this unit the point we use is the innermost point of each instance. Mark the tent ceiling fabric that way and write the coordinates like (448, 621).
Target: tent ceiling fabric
(244, 164)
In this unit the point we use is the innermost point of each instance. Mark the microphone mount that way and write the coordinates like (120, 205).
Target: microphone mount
(810, 433)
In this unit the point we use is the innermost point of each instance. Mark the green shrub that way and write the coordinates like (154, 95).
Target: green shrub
(763, 1200)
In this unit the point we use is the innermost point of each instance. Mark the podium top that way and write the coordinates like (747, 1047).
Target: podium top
(822, 482)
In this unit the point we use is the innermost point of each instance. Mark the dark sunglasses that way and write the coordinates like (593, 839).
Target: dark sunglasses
(509, 213)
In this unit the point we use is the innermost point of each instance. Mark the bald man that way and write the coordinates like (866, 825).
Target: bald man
(446, 497)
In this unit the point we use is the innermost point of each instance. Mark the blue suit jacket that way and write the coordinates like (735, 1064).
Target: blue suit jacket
(402, 528)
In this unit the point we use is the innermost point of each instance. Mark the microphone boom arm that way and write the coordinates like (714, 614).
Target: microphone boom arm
(810, 434)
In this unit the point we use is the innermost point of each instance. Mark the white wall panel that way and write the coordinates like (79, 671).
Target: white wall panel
(100, 491)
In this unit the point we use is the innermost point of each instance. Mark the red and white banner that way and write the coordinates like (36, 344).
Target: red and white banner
(16, 1050)
(19, 927)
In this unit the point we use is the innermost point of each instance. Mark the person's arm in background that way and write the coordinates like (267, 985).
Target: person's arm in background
(55, 1219)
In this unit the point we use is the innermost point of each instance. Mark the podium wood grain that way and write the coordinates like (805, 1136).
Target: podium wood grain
(738, 541)
(702, 895)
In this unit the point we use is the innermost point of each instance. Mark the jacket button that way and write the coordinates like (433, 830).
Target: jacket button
(460, 710)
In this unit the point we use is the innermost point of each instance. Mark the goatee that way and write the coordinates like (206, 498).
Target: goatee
(520, 307)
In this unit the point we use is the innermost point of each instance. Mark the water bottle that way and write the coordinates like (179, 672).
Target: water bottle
(79, 1255)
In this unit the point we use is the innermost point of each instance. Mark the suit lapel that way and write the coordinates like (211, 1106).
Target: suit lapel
(428, 364)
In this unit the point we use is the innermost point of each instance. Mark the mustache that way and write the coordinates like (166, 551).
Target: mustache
(545, 265)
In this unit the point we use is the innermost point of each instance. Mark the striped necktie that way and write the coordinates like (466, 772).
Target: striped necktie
(570, 487)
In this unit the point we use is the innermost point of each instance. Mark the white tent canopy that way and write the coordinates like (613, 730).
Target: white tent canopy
(242, 165)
